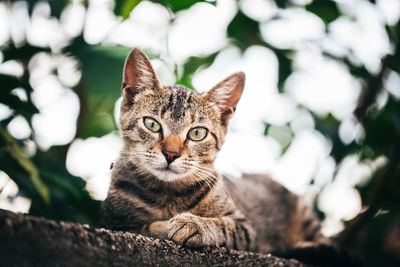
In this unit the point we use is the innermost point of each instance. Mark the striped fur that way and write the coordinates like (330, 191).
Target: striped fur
(186, 200)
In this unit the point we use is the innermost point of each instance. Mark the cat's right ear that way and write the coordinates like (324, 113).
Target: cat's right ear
(138, 76)
(226, 95)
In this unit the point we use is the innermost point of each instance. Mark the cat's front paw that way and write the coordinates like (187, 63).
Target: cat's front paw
(191, 231)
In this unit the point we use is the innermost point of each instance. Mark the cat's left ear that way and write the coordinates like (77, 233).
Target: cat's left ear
(226, 94)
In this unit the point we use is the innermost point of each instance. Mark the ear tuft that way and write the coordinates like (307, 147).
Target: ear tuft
(138, 76)
(226, 94)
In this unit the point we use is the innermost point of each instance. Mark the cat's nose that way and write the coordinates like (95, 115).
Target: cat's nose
(170, 155)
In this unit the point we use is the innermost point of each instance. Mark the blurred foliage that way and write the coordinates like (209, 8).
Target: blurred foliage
(327, 10)
(244, 32)
(123, 8)
(14, 150)
(98, 87)
(192, 65)
(57, 194)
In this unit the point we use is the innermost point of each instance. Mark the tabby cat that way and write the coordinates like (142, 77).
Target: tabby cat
(164, 185)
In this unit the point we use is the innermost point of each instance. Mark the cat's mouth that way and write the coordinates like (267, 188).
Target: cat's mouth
(167, 174)
(168, 170)
(164, 171)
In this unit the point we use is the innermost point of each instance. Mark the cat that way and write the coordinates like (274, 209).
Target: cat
(163, 184)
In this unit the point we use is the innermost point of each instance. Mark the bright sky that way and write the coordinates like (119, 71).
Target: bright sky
(320, 84)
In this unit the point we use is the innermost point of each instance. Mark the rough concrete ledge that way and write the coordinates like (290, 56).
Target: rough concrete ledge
(31, 241)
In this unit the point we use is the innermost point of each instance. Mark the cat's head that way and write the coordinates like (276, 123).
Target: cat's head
(173, 132)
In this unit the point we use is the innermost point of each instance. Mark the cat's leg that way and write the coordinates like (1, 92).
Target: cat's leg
(195, 231)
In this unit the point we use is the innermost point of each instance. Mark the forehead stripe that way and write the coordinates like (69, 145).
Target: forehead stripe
(189, 100)
(179, 107)
(168, 105)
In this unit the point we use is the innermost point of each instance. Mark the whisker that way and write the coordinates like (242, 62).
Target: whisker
(233, 180)
(208, 184)
(199, 168)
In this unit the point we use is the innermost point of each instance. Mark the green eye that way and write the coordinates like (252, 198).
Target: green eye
(152, 124)
(197, 134)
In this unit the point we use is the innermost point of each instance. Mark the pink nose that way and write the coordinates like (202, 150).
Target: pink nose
(170, 155)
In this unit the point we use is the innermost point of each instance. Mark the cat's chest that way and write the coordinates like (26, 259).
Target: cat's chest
(165, 210)
(170, 205)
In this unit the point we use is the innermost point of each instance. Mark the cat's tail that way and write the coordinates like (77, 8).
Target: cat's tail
(323, 255)
(306, 228)
(312, 246)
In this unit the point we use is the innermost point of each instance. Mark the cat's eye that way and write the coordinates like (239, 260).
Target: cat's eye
(152, 124)
(197, 134)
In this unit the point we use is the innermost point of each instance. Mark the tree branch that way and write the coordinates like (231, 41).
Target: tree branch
(365, 102)
(30, 241)
(370, 93)
(375, 83)
(384, 182)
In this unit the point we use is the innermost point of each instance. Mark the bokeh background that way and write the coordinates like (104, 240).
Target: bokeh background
(320, 111)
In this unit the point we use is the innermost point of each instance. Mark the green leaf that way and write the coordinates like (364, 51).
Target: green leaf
(244, 31)
(100, 120)
(359, 71)
(383, 128)
(124, 7)
(326, 10)
(282, 134)
(57, 6)
(8, 82)
(26, 109)
(329, 127)
(284, 67)
(11, 146)
(22, 53)
(267, 126)
(69, 199)
(100, 86)
(192, 65)
(180, 5)
(282, 3)
(102, 68)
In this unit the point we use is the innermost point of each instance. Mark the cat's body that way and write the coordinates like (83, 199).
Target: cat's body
(280, 218)
(267, 217)
(163, 184)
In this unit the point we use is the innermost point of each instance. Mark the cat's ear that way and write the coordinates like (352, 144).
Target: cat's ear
(226, 94)
(138, 76)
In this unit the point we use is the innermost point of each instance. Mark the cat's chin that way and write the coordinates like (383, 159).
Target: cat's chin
(168, 175)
